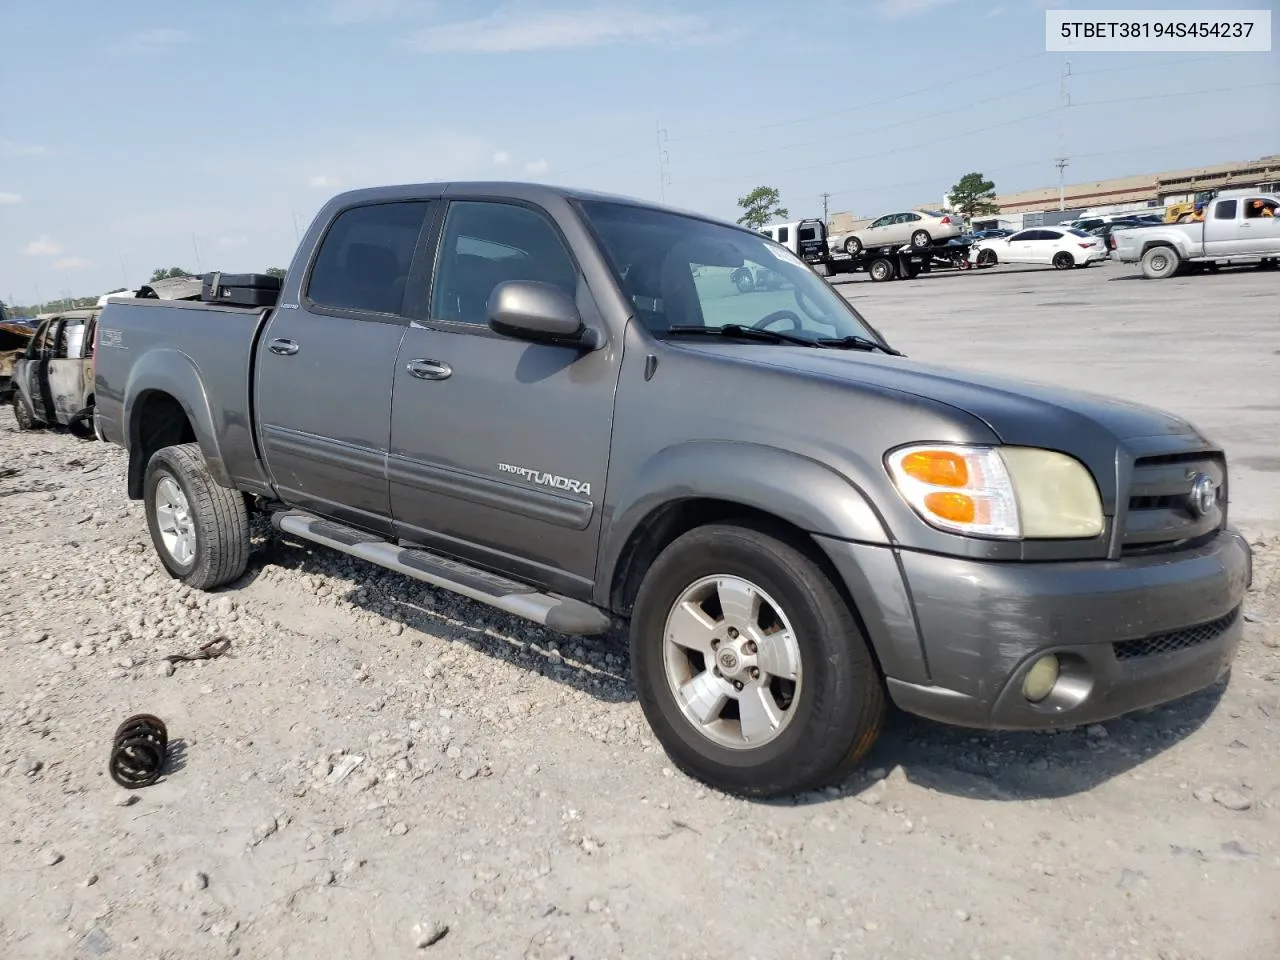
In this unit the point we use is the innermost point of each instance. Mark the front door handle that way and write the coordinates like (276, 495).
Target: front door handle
(284, 348)
(429, 369)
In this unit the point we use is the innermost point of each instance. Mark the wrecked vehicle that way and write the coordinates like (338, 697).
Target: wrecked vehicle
(14, 338)
(556, 403)
(53, 379)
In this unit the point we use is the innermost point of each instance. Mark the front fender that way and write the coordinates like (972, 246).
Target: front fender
(176, 374)
(805, 493)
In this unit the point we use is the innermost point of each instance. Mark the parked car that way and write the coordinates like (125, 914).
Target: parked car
(1103, 232)
(920, 228)
(14, 337)
(991, 233)
(1063, 247)
(521, 394)
(53, 381)
(1240, 225)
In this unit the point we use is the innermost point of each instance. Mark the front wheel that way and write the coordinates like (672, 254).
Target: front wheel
(987, 258)
(920, 239)
(21, 414)
(750, 667)
(853, 246)
(200, 530)
(1159, 263)
(1063, 260)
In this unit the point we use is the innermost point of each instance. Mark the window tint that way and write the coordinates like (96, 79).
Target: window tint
(911, 217)
(783, 234)
(1078, 233)
(364, 259)
(883, 221)
(1225, 210)
(486, 244)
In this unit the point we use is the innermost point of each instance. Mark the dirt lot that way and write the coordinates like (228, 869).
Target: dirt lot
(509, 789)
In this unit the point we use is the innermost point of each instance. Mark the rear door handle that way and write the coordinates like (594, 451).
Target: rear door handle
(284, 348)
(429, 369)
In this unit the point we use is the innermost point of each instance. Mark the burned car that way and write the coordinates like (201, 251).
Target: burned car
(14, 337)
(52, 380)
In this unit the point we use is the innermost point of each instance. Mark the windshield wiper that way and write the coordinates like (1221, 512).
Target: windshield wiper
(856, 343)
(732, 330)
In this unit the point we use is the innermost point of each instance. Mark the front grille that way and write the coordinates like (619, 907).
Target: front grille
(1160, 510)
(1176, 640)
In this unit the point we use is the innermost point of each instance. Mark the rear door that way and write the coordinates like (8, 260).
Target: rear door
(1223, 234)
(1044, 244)
(325, 364)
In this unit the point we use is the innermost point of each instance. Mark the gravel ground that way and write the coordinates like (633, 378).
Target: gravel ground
(376, 769)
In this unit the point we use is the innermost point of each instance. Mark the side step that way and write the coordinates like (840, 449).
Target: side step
(562, 614)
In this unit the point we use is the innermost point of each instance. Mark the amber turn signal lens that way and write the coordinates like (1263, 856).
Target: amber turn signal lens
(938, 468)
(956, 507)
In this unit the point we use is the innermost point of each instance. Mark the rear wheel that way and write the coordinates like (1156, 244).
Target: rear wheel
(199, 529)
(1063, 260)
(750, 667)
(881, 270)
(1159, 263)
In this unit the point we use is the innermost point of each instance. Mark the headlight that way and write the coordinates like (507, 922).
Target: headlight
(1009, 493)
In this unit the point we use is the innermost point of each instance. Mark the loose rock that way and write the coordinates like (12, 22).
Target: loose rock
(428, 933)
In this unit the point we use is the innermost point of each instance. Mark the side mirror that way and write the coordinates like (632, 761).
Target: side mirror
(538, 312)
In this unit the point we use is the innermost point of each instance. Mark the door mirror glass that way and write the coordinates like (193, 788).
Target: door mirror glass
(540, 312)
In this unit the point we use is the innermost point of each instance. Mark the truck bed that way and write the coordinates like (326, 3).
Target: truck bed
(168, 336)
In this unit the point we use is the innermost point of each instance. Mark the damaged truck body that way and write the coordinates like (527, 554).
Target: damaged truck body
(556, 403)
(53, 378)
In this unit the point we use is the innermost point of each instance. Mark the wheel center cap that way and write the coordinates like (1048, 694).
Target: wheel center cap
(728, 660)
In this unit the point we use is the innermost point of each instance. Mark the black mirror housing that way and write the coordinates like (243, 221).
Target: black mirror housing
(538, 312)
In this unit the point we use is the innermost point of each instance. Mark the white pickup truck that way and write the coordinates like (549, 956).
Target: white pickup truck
(1239, 225)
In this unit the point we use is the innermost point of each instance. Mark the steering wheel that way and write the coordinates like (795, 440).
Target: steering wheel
(771, 319)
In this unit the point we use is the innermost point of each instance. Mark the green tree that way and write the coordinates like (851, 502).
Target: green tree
(760, 206)
(160, 273)
(275, 272)
(974, 196)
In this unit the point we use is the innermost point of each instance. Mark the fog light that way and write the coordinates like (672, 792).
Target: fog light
(1041, 678)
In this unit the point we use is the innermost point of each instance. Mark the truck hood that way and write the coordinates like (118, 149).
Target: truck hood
(1019, 412)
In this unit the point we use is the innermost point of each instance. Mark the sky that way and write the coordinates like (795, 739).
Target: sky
(140, 134)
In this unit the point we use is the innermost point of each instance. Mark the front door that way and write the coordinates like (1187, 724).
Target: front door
(1260, 227)
(67, 369)
(33, 377)
(499, 447)
(1020, 247)
(325, 366)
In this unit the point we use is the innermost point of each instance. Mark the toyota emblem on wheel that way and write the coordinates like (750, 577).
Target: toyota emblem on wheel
(1204, 494)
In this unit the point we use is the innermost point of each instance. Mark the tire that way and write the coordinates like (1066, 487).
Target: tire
(882, 269)
(853, 246)
(1063, 260)
(1159, 263)
(987, 258)
(921, 239)
(21, 414)
(214, 526)
(838, 704)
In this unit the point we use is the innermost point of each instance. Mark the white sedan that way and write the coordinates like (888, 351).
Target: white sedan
(1063, 247)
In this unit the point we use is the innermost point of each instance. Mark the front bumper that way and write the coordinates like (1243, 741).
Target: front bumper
(1130, 633)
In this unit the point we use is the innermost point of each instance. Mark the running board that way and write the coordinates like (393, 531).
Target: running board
(562, 614)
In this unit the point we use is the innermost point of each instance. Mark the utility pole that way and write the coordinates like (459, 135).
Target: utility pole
(826, 198)
(1062, 133)
(297, 234)
(196, 247)
(663, 177)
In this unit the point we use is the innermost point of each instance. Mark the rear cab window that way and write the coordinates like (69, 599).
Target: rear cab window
(1224, 210)
(364, 259)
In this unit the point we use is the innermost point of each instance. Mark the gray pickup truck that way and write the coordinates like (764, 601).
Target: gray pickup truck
(560, 404)
(1239, 225)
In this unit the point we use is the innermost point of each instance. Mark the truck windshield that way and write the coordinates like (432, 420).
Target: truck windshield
(681, 272)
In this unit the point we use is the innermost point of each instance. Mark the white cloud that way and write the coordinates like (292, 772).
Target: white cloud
(501, 158)
(9, 148)
(537, 167)
(344, 12)
(70, 263)
(9, 198)
(157, 40)
(519, 27)
(44, 247)
(324, 180)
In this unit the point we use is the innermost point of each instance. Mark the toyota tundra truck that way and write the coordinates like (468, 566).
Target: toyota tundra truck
(560, 404)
